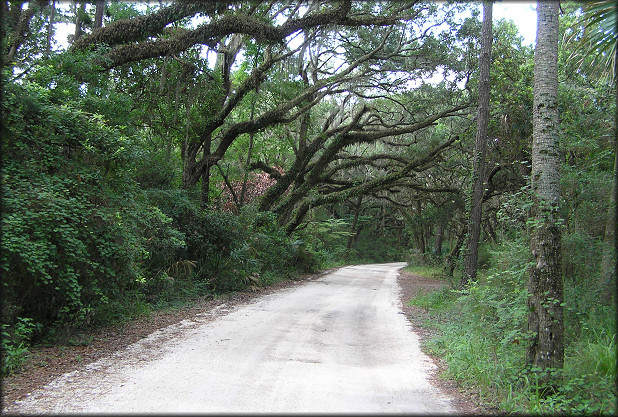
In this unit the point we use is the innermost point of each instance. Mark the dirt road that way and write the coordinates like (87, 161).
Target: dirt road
(335, 344)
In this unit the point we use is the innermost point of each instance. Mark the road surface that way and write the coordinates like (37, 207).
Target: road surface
(336, 344)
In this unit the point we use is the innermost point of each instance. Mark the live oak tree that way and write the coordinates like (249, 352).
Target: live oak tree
(226, 30)
(388, 46)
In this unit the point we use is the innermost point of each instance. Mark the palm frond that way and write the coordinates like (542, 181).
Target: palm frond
(599, 38)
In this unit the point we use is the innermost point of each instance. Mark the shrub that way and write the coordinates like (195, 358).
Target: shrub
(76, 229)
(15, 342)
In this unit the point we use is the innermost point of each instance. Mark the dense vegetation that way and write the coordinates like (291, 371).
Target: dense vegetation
(177, 151)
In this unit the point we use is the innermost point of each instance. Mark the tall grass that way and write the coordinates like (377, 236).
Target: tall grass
(481, 336)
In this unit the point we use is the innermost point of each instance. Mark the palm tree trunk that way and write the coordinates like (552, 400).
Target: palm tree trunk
(545, 324)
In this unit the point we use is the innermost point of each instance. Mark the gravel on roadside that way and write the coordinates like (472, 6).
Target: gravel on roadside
(44, 364)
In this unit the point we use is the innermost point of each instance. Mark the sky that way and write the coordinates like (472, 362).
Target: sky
(522, 13)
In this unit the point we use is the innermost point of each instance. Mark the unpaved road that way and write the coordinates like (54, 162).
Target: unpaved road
(335, 344)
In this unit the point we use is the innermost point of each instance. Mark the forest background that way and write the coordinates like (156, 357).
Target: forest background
(174, 151)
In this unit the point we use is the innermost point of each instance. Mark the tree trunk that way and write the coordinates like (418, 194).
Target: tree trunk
(420, 232)
(437, 248)
(420, 243)
(608, 261)
(206, 173)
(489, 229)
(80, 10)
(353, 233)
(190, 177)
(451, 258)
(50, 28)
(98, 14)
(545, 324)
(243, 190)
(19, 21)
(245, 180)
(206, 185)
(383, 222)
(474, 221)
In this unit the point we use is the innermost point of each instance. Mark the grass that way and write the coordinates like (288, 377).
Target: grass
(430, 271)
(481, 336)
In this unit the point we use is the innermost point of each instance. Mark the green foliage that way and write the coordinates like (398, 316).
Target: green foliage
(435, 301)
(15, 343)
(76, 230)
(232, 252)
(96, 228)
(373, 247)
(594, 35)
(326, 238)
(83, 243)
(482, 337)
(432, 271)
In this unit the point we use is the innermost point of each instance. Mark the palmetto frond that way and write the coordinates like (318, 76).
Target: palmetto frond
(599, 38)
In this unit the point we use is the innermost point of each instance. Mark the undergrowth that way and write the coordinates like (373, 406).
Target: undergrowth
(481, 336)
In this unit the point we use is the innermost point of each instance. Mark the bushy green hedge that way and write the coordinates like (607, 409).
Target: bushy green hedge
(76, 229)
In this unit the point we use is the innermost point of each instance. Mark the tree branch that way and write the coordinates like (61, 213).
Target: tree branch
(267, 169)
(140, 28)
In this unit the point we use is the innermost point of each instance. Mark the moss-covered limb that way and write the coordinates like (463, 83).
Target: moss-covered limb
(311, 20)
(120, 34)
(273, 117)
(385, 196)
(353, 161)
(208, 34)
(342, 16)
(365, 187)
(300, 166)
(297, 170)
(354, 136)
(424, 189)
(315, 169)
(364, 136)
(140, 28)
(270, 118)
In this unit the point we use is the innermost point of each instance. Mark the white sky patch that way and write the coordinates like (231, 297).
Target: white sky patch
(522, 13)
